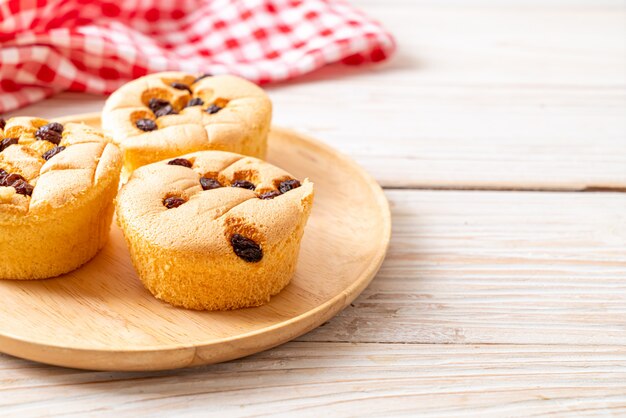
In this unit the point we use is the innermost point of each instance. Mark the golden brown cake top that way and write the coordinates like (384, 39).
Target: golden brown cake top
(46, 165)
(158, 107)
(212, 202)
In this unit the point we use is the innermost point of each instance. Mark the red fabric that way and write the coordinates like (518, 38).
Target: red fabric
(95, 46)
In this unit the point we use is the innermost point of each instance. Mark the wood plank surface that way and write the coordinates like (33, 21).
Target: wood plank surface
(489, 303)
(496, 267)
(487, 94)
(310, 379)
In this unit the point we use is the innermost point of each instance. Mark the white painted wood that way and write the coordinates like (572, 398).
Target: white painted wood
(542, 270)
(493, 268)
(338, 379)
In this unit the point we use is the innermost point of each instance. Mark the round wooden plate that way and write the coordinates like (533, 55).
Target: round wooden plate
(101, 317)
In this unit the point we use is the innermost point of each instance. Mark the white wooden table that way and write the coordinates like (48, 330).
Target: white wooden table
(499, 133)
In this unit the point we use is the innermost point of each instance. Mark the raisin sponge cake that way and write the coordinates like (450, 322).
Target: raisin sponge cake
(214, 230)
(57, 186)
(167, 114)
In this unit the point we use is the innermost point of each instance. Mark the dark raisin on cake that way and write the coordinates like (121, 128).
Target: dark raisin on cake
(246, 249)
(213, 109)
(269, 195)
(288, 185)
(244, 184)
(23, 187)
(50, 132)
(180, 86)
(52, 152)
(155, 103)
(180, 161)
(146, 125)
(16, 181)
(209, 183)
(173, 202)
(196, 101)
(6, 142)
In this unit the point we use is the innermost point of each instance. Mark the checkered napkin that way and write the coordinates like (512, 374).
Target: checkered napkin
(95, 46)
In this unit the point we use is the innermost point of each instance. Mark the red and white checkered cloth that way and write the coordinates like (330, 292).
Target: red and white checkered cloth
(95, 46)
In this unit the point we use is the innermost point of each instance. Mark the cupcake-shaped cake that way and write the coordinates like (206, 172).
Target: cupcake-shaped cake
(57, 185)
(214, 230)
(167, 114)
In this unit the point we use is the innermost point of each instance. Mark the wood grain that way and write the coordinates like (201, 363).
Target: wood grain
(101, 317)
(496, 267)
(463, 268)
(309, 379)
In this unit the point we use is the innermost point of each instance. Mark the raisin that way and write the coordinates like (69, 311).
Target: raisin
(244, 184)
(11, 178)
(22, 187)
(180, 86)
(209, 183)
(205, 75)
(52, 152)
(161, 107)
(246, 249)
(269, 195)
(4, 144)
(196, 101)
(164, 111)
(173, 202)
(180, 161)
(16, 181)
(146, 125)
(3, 123)
(155, 104)
(213, 109)
(50, 133)
(287, 185)
(54, 126)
